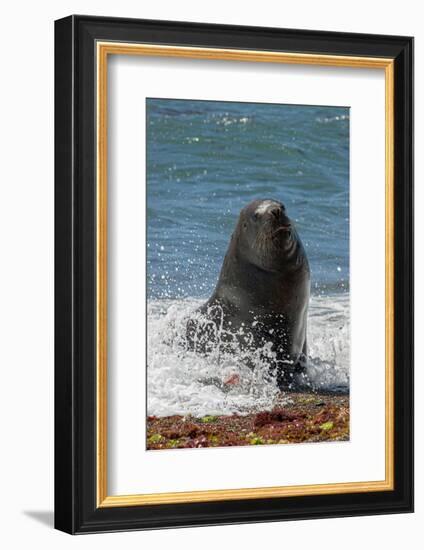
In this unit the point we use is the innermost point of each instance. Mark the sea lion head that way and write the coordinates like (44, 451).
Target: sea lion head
(265, 234)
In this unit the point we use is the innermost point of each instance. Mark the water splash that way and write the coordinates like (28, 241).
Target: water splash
(183, 382)
(329, 342)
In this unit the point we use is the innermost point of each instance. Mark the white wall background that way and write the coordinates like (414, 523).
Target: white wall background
(26, 271)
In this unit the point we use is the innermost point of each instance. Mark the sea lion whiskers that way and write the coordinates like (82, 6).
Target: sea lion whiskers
(268, 245)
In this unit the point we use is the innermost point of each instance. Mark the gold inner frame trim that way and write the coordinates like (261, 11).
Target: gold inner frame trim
(103, 50)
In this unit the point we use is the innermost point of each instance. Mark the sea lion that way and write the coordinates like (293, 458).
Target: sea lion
(262, 295)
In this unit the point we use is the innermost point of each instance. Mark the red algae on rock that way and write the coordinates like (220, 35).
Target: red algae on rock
(306, 418)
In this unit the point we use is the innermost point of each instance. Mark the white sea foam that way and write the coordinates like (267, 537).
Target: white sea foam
(335, 118)
(229, 120)
(183, 382)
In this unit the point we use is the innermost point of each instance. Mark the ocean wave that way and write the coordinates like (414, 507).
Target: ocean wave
(336, 118)
(183, 382)
(228, 121)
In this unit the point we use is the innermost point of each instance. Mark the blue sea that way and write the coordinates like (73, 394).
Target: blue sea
(205, 161)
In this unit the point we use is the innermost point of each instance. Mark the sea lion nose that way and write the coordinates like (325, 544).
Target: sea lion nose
(275, 211)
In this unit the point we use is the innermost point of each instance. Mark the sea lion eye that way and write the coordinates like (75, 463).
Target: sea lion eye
(244, 225)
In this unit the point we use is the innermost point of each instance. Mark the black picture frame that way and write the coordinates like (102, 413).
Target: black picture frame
(76, 508)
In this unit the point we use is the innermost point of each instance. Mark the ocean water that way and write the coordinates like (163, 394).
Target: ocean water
(205, 161)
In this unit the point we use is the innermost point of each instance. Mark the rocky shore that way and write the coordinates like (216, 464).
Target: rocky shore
(302, 418)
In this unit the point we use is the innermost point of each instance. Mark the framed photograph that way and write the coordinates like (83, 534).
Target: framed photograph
(234, 274)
